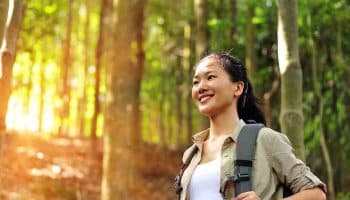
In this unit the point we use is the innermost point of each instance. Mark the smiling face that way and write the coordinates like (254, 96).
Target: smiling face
(213, 91)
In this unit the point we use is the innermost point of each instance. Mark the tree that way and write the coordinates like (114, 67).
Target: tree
(123, 85)
(4, 6)
(320, 118)
(100, 47)
(8, 56)
(67, 65)
(202, 40)
(250, 56)
(292, 122)
(234, 21)
(83, 99)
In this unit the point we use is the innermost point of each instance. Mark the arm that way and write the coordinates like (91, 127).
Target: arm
(291, 171)
(312, 194)
(315, 193)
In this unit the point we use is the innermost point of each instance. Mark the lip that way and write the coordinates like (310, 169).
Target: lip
(205, 97)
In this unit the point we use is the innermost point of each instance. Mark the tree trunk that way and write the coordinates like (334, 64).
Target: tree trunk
(4, 6)
(325, 153)
(202, 41)
(170, 114)
(250, 56)
(140, 57)
(161, 117)
(188, 71)
(65, 93)
(83, 95)
(7, 58)
(291, 118)
(267, 99)
(123, 85)
(42, 97)
(233, 21)
(100, 48)
(319, 96)
(179, 78)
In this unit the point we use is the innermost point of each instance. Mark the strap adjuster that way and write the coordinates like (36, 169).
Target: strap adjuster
(233, 179)
(241, 177)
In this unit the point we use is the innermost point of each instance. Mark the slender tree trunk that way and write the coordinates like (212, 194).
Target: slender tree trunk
(123, 84)
(220, 9)
(267, 99)
(291, 118)
(140, 57)
(83, 96)
(325, 153)
(170, 114)
(250, 56)
(341, 64)
(100, 47)
(7, 58)
(161, 117)
(4, 6)
(202, 41)
(179, 78)
(317, 89)
(188, 70)
(29, 89)
(67, 64)
(42, 96)
(233, 21)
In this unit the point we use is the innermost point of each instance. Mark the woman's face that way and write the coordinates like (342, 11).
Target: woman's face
(213, 91)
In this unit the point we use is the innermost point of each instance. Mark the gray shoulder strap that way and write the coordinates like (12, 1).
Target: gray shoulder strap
(245, 150)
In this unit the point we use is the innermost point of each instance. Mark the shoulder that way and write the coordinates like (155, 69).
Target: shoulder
(187, 152)
(273, 140)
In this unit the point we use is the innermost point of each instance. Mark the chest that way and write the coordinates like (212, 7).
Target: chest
(211, 151)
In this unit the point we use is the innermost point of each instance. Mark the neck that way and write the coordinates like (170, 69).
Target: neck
(223, 123)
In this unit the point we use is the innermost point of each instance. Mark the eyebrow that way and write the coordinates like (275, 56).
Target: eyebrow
(206, 73)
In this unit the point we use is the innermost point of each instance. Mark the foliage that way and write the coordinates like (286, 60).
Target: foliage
(36, 101)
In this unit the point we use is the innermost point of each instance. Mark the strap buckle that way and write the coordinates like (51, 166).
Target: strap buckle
(239, 177)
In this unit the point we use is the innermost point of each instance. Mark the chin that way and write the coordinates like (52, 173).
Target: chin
(207, 111)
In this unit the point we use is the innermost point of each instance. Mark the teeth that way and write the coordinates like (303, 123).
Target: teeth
(205, 98)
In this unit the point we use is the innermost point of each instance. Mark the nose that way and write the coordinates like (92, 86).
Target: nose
(202, 87)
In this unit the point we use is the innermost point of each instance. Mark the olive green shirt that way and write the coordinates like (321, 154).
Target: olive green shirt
(274, 163)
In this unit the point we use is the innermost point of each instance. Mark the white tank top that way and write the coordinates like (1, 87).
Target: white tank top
(205, 181)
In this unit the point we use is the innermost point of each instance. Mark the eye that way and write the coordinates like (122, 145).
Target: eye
(211, 77)
(195, 82)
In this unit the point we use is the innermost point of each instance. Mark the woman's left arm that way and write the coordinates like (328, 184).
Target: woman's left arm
(291, 171)
(314, 193)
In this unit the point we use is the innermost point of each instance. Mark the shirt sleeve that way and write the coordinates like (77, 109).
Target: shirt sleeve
(290, 170)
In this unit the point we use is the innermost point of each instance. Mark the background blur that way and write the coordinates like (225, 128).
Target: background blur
(95, 95)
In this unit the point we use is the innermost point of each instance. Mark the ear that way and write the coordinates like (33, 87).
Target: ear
(239, 86)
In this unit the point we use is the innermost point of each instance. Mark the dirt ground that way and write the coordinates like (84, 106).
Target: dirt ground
(57, 168)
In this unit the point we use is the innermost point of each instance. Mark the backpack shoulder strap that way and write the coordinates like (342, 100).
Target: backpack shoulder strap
(177, 181)
(245, 150)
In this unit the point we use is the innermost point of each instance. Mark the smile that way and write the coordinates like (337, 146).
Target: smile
(205, 98)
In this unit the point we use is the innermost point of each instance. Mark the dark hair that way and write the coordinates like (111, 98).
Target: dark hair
(248, 103)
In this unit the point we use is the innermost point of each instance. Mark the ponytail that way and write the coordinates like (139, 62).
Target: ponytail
(249, 105)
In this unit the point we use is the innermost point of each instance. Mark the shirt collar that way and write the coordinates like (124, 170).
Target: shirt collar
(200, 137)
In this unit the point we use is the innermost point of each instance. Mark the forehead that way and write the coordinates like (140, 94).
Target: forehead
(207, 65)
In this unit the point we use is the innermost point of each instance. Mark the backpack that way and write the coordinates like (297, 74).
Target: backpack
(245, 152)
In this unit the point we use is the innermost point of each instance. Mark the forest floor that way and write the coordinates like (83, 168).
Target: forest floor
(35, 168)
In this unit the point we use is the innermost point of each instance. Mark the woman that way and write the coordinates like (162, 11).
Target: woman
(222, 92)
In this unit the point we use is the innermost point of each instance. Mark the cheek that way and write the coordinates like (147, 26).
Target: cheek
(193, 92)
